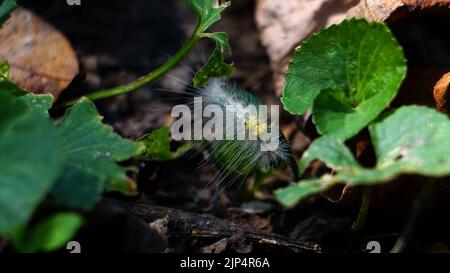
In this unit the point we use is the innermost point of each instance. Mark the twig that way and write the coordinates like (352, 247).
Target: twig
(204, 226)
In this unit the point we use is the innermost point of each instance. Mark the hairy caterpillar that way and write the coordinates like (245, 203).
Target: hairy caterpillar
(235, 157)
(238, 157)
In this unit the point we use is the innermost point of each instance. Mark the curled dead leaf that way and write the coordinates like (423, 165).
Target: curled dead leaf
(338, 193)
(441, 94)
(391, 10)
(41, 59)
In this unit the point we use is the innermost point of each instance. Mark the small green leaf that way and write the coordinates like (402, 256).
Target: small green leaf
(292, 194)
(157, 145)
(5, 84)
(4, 70)
(92, 151)
(6, 7)
(30, 156)
(410, 140)
(347, 74)
(49, 235)
(208, 12)
(216, 67)
(331, 151)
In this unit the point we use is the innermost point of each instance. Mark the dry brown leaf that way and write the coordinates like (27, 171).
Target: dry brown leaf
(41, 59)
(418, 86)
(340, 193)
(438, 247)
(441, 94)
(391, 10)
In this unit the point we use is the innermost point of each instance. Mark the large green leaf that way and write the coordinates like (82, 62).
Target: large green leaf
(50, 234)
(91, 150)
(30, 156)
(411, 140)
(347, 74)
(6, 7)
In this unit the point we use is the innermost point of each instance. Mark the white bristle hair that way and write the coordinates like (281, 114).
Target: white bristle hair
(235, 159)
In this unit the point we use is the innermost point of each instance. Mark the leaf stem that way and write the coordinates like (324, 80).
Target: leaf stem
(364, 209)
(294, 167)
(417, 210)
(149, 78)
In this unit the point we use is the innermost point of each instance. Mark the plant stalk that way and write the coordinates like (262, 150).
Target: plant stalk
(416, 212)
(294, 167)
(149, 78)
(364, 209)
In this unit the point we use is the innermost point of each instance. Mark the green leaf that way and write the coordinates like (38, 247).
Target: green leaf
(410, 140)
(30, 157)
(92, 151)
(11, 110)
(49, 235)
(157, 146)
(331, 151)
(414, 139)
(4, 70)
(6, 7)
(208, 12)
(292, 194)
(5, 84)
(216, 66)
(347, 74)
